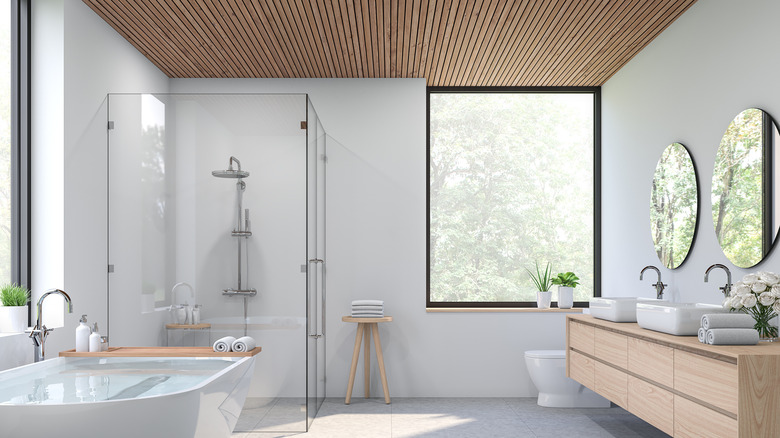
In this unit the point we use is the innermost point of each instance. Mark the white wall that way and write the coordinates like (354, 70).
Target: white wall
(376, 248)
(78, 59)
(686, 86)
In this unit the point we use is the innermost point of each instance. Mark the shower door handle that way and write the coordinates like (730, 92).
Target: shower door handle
(312, 332)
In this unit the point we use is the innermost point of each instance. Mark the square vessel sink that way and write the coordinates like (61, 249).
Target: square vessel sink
(680, 319)
(615, 309)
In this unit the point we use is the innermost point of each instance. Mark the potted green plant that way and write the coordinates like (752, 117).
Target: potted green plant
(13, 313)
(566, 282)
(542, 280)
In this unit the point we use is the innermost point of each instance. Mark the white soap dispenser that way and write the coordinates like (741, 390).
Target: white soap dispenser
(94, 340)
(82, 335)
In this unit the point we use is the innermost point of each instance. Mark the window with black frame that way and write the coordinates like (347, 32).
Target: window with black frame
(512, 183)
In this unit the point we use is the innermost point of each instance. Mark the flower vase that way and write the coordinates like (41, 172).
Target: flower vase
(767, 332)
(543, 299)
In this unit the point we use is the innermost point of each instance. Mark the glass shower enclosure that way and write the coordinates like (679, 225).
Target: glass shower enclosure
(216, 213)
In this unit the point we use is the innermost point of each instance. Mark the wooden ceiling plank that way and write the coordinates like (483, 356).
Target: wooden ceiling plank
(544, 53)
(617, 34)
(247, 37)
(495, 44)
(446, 32)
(473, 43)
(271, 17)
(393, 29)
(344, 49)
(161, 37)
(434, 39)
(465, 28)
(332, 37)
(316, 34)
(421, 45)
(269, 40)
(602, 31)
(130, 34)
(513, 34)
(456, 36)
(369, 56)
(400, 38)
(425, 37)
(302, 26)
(236, 33)
(388, 36)
(476, 43)
(355, 27)
(216, 21)
(523, 57)
(284, 13)
(595, 24)
(516, 41)
(410, 71)
(650, 30)
(569, 38)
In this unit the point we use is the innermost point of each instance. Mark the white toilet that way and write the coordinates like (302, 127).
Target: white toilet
(548, 372)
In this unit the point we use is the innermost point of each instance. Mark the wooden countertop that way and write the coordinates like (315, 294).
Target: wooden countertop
(160, 352)
(365, 320)
(689, 343)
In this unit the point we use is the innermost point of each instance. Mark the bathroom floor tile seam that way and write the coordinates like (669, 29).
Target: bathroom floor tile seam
(465, 417)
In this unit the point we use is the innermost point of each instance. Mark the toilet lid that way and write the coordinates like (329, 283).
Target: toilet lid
(546, 354)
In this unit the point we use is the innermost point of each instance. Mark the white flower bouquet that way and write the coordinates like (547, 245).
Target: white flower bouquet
(758, 295)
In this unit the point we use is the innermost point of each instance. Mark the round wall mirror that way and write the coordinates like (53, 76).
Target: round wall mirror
(674, 205)
(743, 198)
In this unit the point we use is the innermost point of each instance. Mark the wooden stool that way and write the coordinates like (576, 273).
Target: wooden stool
(366, 325)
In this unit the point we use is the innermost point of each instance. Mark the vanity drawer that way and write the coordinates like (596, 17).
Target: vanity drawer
(709, 380)
(581, 369)
(652, 361)
(611, 347)
(612, 384)
(651, 403)
(694, 420)
(581, 337)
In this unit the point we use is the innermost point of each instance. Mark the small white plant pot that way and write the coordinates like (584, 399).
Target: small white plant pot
(543, 299)
(565, 297)
(13, 319)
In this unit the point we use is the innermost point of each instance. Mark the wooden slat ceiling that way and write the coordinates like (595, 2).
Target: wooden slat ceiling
(447, 42)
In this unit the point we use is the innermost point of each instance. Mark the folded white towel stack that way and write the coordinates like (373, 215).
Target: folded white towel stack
(244, 344)
(368, 309)
(224, 345)
(727, 329)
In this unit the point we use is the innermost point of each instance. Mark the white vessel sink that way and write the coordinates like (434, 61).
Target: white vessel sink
(680, 319)
(615, 309)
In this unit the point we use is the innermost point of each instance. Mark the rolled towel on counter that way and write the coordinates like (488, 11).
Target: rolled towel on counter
(726, 320)
(372, 308)
(368, 303)
(702, 335)
(732, 336)
(244, 344)
(224, 345)
(368, 315)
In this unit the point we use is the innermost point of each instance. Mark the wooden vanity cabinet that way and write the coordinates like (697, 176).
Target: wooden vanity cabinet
(677, 384)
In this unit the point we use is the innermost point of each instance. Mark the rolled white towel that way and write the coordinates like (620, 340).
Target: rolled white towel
(368, 303)
(244, 344)
(368, 307)
(726, 320)
(732, 336)
(368, 315)
(223, 345)
(702, 335)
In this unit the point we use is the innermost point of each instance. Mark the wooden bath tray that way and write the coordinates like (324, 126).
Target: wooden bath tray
(160, 352)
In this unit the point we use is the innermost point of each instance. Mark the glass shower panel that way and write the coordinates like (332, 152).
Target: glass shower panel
(186, 229)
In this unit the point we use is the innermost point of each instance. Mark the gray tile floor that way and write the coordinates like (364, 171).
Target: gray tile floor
(466, 417)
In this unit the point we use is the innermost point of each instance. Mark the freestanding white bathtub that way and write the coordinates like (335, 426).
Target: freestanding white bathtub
(124, 397)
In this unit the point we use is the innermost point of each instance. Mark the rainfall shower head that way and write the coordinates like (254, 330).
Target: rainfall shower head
(230, 172)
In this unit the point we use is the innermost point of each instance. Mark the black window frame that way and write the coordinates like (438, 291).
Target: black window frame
(596, 92)
(20, 144)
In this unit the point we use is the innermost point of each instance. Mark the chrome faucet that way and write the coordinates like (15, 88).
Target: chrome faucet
(659, 286)
(725, 289)
(39, 333)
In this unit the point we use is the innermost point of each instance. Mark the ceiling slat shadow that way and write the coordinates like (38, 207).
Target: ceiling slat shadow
(447, 42)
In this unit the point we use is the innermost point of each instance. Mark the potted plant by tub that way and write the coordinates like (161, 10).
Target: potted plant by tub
(542, 280)
(566, 282)
(13, 313)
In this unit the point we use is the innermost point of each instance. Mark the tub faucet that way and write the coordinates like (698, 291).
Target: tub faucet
(39, 333)
(725, 289)
(659, 286)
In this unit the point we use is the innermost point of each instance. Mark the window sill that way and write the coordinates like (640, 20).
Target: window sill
(500, 309)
